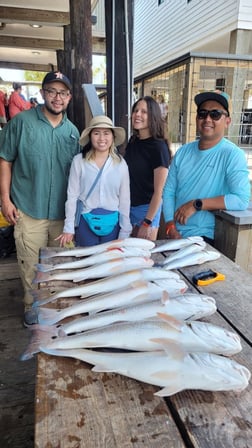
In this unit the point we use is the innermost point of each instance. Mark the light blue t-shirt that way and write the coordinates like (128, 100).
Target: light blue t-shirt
(198, 174)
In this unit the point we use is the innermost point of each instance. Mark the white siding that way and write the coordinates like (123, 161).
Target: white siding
(167, 31)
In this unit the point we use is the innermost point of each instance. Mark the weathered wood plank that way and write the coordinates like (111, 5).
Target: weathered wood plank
(233, 296)
(97, 410)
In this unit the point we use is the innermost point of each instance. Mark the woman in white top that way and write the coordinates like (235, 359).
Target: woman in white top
(98, 196)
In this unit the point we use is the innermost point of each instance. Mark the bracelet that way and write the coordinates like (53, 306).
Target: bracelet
(169, 227)
(146, 222)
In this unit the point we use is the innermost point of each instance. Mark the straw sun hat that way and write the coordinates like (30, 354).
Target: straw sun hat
(101, 121)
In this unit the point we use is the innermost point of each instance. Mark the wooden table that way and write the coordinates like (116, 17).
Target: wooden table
(76, 408)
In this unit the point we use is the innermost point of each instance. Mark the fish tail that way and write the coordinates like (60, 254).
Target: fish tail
(47, 253)
(41, 335)
(42, 267)
(41, 277)
(48, 316)
(41, 298)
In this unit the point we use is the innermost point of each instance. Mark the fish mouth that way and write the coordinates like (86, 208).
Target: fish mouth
(231, 343)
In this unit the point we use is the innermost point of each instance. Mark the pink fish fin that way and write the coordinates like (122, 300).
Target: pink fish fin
(41, 277)
(172, 348)
(44, 267)
(168, 391)
(39, 337)
(172, 321)
(138, 284)
(165, 297)
(120, 249)
(165, 375)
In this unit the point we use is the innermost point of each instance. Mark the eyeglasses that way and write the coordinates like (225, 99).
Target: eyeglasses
(52, 93)
(215, 114)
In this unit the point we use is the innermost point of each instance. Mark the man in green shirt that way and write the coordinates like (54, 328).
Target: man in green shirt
(36, 151)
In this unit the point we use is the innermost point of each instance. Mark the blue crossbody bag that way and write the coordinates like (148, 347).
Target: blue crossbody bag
(100, 221)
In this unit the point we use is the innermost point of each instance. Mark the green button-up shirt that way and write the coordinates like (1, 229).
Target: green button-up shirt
(41, 157)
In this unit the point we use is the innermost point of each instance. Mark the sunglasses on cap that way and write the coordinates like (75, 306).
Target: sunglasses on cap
(215, 114)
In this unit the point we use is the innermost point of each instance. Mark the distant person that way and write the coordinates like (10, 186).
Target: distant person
(205, 175)
(148, 156)
(98, 188)
(36, 150)
(17, 102)
(163, 107)
(3, 105)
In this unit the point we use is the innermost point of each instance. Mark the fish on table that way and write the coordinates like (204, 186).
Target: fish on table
(184, 252)
(172, 368)
(192, 259)
(112, 267)
(177, 244)
(117, 252)
(134, 293)
(189, 306)
(116, 282)
(142, 335)
(49, 252)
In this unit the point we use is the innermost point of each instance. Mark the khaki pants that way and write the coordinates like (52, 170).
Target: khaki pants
(30, 235)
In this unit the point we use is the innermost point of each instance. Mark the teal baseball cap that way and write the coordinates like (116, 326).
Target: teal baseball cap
(217, 95)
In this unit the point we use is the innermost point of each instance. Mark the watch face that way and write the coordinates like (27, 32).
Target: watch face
(198, 204)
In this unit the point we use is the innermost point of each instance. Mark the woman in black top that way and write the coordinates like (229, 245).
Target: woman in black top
(148, 157)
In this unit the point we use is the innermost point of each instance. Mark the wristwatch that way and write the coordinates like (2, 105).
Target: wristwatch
(197, 204)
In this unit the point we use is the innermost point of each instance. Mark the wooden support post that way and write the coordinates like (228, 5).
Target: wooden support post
(81, 55)
(119, 49)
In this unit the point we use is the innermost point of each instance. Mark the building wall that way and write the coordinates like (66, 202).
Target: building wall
(175, 27)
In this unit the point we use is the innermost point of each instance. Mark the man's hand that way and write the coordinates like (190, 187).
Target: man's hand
(10, 212)
(184, 212)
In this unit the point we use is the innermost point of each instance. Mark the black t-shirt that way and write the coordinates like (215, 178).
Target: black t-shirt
(143, 157)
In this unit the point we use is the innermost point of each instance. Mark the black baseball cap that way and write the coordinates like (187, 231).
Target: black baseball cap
(220, 97)
(56, 76)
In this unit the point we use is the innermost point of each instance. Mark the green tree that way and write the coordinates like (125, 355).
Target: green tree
(34, 76)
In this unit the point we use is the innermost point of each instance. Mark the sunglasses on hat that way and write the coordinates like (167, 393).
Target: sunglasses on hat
(215, 114)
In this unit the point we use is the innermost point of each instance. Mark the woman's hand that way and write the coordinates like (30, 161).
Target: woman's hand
(64, 239)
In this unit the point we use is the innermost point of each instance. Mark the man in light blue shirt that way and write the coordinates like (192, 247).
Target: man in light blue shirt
(205, 175)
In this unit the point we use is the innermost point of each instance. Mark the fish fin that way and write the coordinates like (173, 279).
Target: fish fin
(43, 267)
(41, 335)
(172, 349)
(41, 277)
(165, 375)
(101, 368)
(165, 297)
(80, 278)
(41, 298)
(168, 390)
(47, 253)
(120, 249)
(48, 316)
(172, 321)
(138, 284)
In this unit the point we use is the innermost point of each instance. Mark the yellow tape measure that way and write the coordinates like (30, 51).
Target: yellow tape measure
(207, 277)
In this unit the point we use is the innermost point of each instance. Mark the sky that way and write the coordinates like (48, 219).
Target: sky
(18, 75)
(11, 75)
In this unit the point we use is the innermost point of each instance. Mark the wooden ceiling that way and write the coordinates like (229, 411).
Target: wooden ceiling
(31, 32)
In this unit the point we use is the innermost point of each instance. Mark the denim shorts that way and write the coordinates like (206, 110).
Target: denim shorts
(138, 213)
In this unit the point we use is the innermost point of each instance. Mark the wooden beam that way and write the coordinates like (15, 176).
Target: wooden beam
(26, 66)
(40, 16)
(29, 42)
